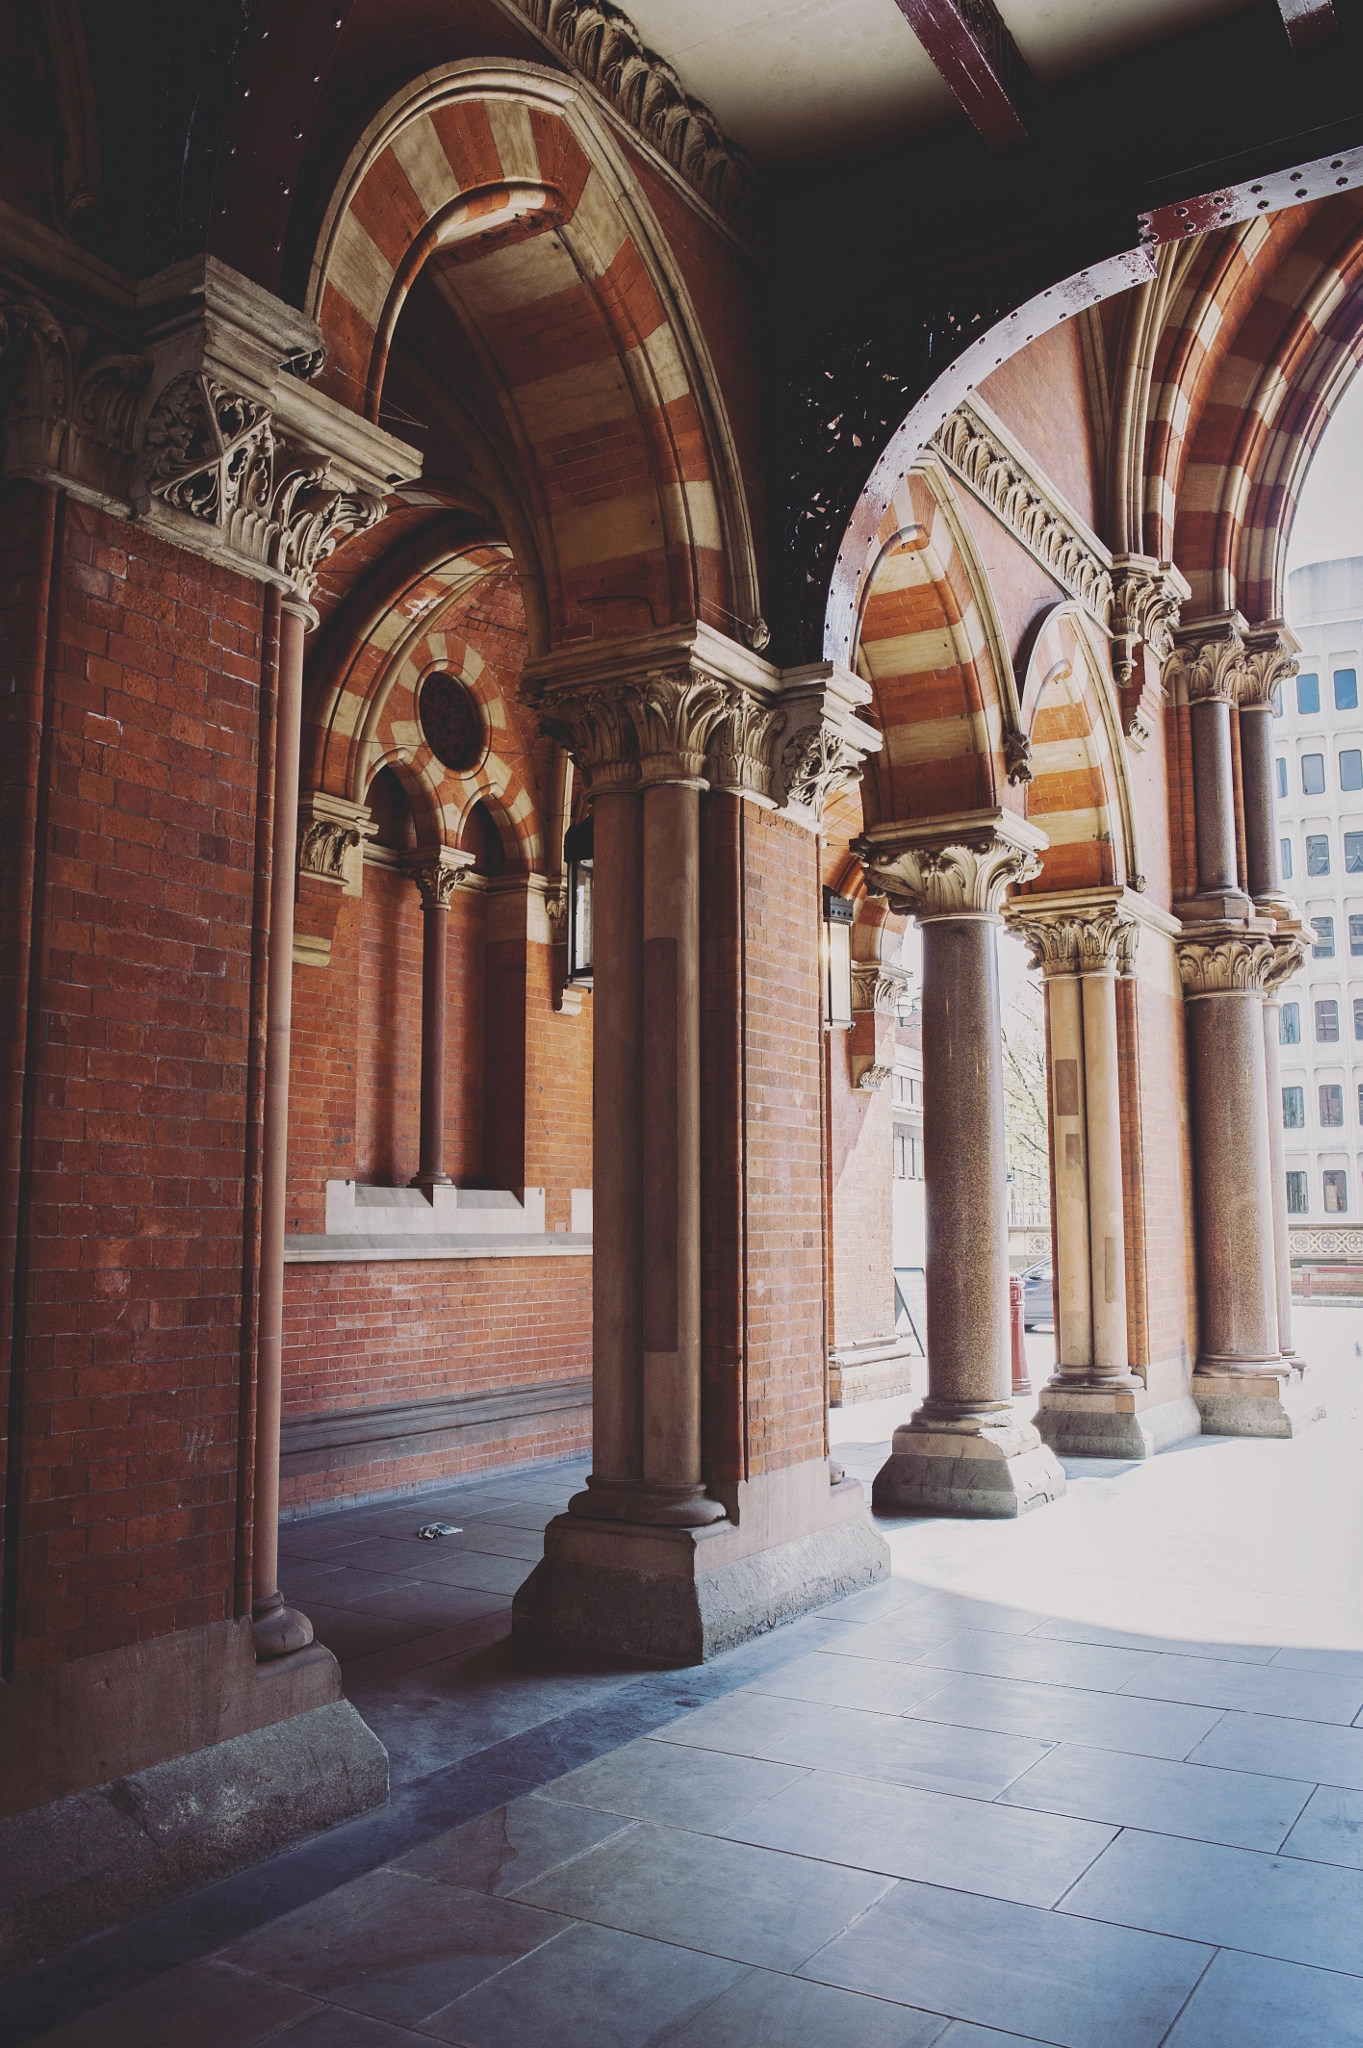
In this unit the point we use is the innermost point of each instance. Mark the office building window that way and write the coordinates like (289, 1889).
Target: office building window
(1289, 1024)
(1327, 1022)
(1294, 1109)
(1331, 1106)
(1308, 693)
(908, 1154)
(1323, 945)
(1313, 774)
(1317, 854)
(1336, 1189)
(1296, 1194)
(1360, 1102)
(1353, 853)
(1356, 935)
(1346, 689)
(1358, 1016)
(1285, 858)
(906, 1088)
(1282, 778)
(1351, 768)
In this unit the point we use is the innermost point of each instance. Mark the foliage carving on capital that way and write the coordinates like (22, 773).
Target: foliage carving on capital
(1289, 956)
(879, 988)
(1270, 662)
(676, 714)
(948, 876)
(1210, 669)
(743, 743)
(1103, 942)
(1226, 964)
(815, 765)
(213, 455)
(70, 409)
(437, 875)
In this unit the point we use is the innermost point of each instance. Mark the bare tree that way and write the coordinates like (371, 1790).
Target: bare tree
(1025, 1117)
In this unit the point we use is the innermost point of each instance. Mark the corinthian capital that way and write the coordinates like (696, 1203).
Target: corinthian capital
(950, 867)
(1289, 954)
(1207, 663)
(685, 704)
(1102, 941)
(1227, 963)
(437, 875)
(1270, 662)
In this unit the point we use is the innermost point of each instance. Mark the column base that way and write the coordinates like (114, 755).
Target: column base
(669, 1596)
(1113, 1422)
(1276, 1401)
(1001, 1470)
(104, 1856)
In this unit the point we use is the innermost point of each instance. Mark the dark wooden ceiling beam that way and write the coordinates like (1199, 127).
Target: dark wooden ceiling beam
(1309, 23)
(969, 42)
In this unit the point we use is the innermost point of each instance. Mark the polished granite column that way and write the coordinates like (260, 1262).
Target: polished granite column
(964, 1451)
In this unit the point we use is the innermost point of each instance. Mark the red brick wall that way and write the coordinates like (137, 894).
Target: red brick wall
(1042, 385)
(787, 1344)
(359, 1336)
(860, 1133)
(132, 1360)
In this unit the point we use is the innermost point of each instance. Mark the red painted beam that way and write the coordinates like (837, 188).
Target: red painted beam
(1308, 23)
(969, 42)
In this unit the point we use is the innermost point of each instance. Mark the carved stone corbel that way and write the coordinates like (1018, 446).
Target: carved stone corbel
(878, 988)
(331, 836)
(1147, 597)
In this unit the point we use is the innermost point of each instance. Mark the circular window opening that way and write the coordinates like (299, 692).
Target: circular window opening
(451, 722)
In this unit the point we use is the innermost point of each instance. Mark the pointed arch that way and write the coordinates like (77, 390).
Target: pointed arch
(932, 648)
(503, 187)
(1079, 793)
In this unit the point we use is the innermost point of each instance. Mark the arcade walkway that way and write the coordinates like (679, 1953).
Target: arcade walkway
(1093, 1780)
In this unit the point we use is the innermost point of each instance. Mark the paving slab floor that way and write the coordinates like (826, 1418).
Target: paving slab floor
(1094, 1779)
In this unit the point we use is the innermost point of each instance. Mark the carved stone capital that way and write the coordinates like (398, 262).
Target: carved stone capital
(873, 1078)
(438, 874)
(1289, 955)
(685, 704)
(1271, 661)
(331, 836)
(878, 988)
(1218, 961)
(189, 408)
(1101, 941)
(950, 867)
(1207, 663)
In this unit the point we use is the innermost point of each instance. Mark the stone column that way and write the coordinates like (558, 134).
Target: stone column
(1096, 1403)
(1205, 671)
(661, 1556)
(1277, 1153)
(964, 1451)
(278, 1629)
(1242, 1384)
(1271, 661)
(436, 876)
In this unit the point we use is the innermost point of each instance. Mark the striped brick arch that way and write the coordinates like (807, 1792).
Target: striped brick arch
(932, 651)
(1078, 794)
(1263, 333)
(506, 189)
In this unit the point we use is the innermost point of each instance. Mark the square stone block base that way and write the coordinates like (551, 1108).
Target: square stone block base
(100, 1857)
(1256, 1404)
(678, 1596)
(1001, 1471)
(873, 1372)
(1126, 1422)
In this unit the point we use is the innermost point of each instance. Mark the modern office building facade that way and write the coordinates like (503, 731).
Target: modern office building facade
(1319, 783)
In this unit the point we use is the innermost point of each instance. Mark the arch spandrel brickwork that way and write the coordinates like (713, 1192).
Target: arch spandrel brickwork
(506, 189)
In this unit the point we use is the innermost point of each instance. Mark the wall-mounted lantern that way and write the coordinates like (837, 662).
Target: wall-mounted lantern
(577, 859)
(838, 915)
